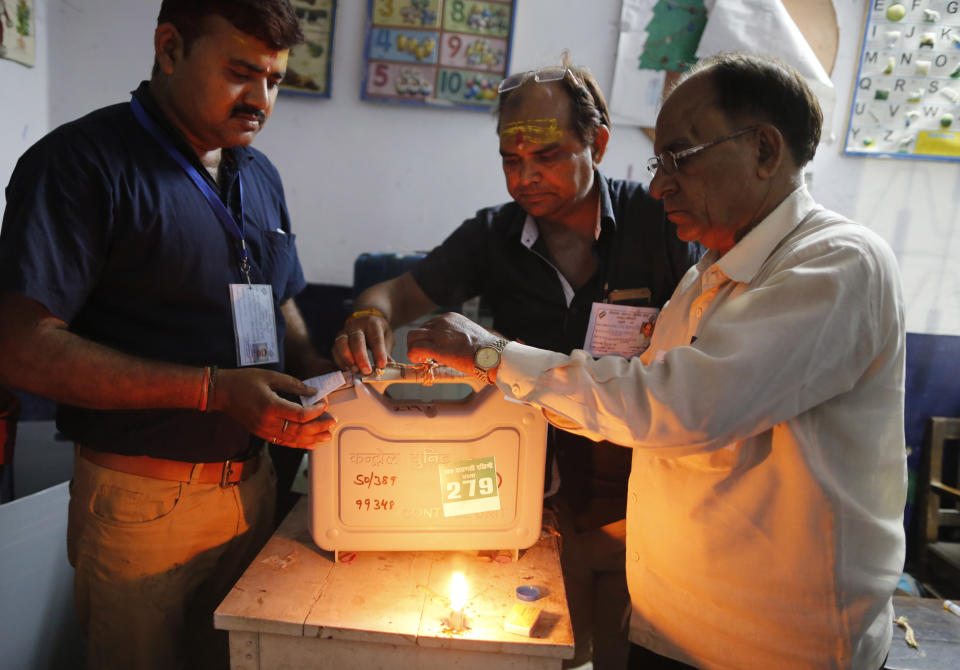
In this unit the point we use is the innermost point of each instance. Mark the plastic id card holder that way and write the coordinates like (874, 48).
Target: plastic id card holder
(254, 324)
(619, 329)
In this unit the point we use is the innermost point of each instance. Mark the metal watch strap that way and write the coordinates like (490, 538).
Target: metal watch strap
(484, 375)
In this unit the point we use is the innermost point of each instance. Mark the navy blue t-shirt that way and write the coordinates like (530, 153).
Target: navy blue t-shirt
(109, 233)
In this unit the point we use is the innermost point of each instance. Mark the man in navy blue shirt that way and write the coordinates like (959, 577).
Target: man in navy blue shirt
(147, 276)
(570, 242)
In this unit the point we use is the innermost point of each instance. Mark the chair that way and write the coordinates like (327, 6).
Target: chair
(373, 268)
(939, 506)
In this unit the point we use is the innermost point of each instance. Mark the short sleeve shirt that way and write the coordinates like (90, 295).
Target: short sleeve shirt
(638, 253)
(109, 233)
(637, 249)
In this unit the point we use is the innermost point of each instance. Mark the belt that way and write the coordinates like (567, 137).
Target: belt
(223, 473)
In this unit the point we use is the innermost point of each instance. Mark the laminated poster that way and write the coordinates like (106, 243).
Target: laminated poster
(658, 38)
(437, 52)
(906, 100)
(308, 69)
(18, 31)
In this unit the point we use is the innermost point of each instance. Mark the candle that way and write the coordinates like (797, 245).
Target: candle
(458, 599)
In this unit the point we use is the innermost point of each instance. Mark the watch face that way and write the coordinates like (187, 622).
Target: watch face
(487, 357)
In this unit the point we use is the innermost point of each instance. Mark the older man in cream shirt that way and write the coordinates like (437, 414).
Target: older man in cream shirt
(765, 518)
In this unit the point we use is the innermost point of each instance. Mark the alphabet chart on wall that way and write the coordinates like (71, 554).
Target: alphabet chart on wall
(437, 52)
(906, 101)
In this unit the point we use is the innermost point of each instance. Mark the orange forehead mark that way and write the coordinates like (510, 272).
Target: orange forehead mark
(537, 131)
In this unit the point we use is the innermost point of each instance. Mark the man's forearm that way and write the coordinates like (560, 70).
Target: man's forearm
(400, 300)
(42, 356)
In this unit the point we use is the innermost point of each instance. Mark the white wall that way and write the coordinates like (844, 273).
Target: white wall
(913, 204)
(363, 176)
(24, 101)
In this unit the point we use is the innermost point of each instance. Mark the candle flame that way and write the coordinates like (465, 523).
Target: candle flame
(458, 591)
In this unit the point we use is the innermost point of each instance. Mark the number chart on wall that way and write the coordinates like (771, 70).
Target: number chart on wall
(906, 102)
(437, 52)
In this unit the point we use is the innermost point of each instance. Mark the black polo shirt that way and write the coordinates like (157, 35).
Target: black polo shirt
(109, 233)
(637, 249)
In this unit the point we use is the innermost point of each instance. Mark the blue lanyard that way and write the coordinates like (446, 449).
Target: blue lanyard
(225, 216)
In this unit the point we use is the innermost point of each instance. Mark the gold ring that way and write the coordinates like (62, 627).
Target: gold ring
(284, 428)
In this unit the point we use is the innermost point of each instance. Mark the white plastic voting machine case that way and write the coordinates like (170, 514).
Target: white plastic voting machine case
(404, 475)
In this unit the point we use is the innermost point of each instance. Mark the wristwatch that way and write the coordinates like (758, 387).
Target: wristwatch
(487, 358)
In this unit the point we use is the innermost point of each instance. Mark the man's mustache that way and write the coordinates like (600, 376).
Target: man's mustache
(251, 111)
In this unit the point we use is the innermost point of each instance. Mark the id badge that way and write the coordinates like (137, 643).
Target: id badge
(625, 330)
(254, 324)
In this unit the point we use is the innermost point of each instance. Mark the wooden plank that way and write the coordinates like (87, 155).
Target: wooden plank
(307, 606)
(948, 552)
(492, 595)
(283, 652)
(377, 597)
(940, 487)
(275, 594)
(937, 632)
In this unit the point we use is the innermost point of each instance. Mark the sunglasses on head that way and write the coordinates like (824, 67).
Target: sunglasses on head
(541, 76)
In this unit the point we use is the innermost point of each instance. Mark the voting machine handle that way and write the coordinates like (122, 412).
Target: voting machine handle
(423, 375)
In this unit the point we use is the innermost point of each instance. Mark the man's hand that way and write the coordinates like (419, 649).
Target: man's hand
(350, 346)
(250, 397)
(452, 340)
(394, 302)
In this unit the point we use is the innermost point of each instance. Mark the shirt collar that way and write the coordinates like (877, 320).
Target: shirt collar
(606, 205)
(241, 155)
(744, 260)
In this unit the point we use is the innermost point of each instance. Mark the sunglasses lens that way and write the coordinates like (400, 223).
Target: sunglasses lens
(544, 74)
(511, 82)
(550, 74)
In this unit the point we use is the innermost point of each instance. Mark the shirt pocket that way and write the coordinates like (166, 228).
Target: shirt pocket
(276, 259)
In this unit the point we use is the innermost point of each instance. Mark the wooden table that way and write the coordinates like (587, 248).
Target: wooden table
(937, 632)
(294, 608)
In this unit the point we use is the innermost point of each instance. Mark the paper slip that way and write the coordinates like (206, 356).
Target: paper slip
(325, 384)
(470, 486)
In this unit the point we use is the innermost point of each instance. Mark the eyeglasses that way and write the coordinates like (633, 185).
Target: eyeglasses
(669, 161)
(541, 75)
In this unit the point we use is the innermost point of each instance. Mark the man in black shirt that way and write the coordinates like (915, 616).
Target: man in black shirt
(569, 239)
